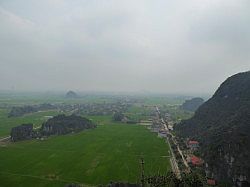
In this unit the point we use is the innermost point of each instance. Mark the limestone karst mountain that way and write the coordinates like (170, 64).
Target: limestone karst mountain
(222, 125)
(71, 95)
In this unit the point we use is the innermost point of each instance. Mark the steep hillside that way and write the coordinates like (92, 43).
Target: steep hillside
(222, 125)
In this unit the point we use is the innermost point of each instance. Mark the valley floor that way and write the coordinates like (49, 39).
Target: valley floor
(92, 157)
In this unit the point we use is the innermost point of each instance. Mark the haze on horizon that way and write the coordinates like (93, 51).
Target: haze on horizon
(167, 46)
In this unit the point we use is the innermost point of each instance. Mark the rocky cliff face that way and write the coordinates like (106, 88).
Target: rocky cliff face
(62, 124)
(222, 125)
(22, 132)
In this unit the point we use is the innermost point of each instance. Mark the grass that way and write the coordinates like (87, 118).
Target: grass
(109, 152)
(138, 112)
(176, 113)
(164, 100)
(102, 119)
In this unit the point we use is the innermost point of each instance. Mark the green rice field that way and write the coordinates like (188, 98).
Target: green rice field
(107, 153)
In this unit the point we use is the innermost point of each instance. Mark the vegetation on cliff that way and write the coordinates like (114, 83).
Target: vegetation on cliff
(63, 124)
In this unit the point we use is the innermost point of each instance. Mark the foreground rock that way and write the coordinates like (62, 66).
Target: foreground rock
(222, 126)
(22, 132)
(62, 124)
(57, 125)
(192, 104)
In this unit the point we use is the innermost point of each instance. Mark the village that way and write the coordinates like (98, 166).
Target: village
(184, 153)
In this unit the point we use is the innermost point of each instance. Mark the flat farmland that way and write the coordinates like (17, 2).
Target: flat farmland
(107, 153)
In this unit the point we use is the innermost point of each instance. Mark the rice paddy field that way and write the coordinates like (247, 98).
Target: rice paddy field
(111, 152)
(92, 157)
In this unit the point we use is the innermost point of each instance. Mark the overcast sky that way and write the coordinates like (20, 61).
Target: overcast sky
(164, 46)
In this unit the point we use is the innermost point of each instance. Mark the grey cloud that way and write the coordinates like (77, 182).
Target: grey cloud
(160, 46)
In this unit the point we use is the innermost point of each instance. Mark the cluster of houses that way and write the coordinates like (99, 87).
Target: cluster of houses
(104, 108)
(196, 161)
(18, 111)
(156, 127)
(193, 145)
(163, 128)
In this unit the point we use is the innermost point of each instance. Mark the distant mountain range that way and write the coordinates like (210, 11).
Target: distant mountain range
(222, 125)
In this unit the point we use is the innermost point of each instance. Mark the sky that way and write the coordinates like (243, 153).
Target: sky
(154, 46)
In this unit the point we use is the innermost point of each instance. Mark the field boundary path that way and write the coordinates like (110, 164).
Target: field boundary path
(44, 178)
(4, 139)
